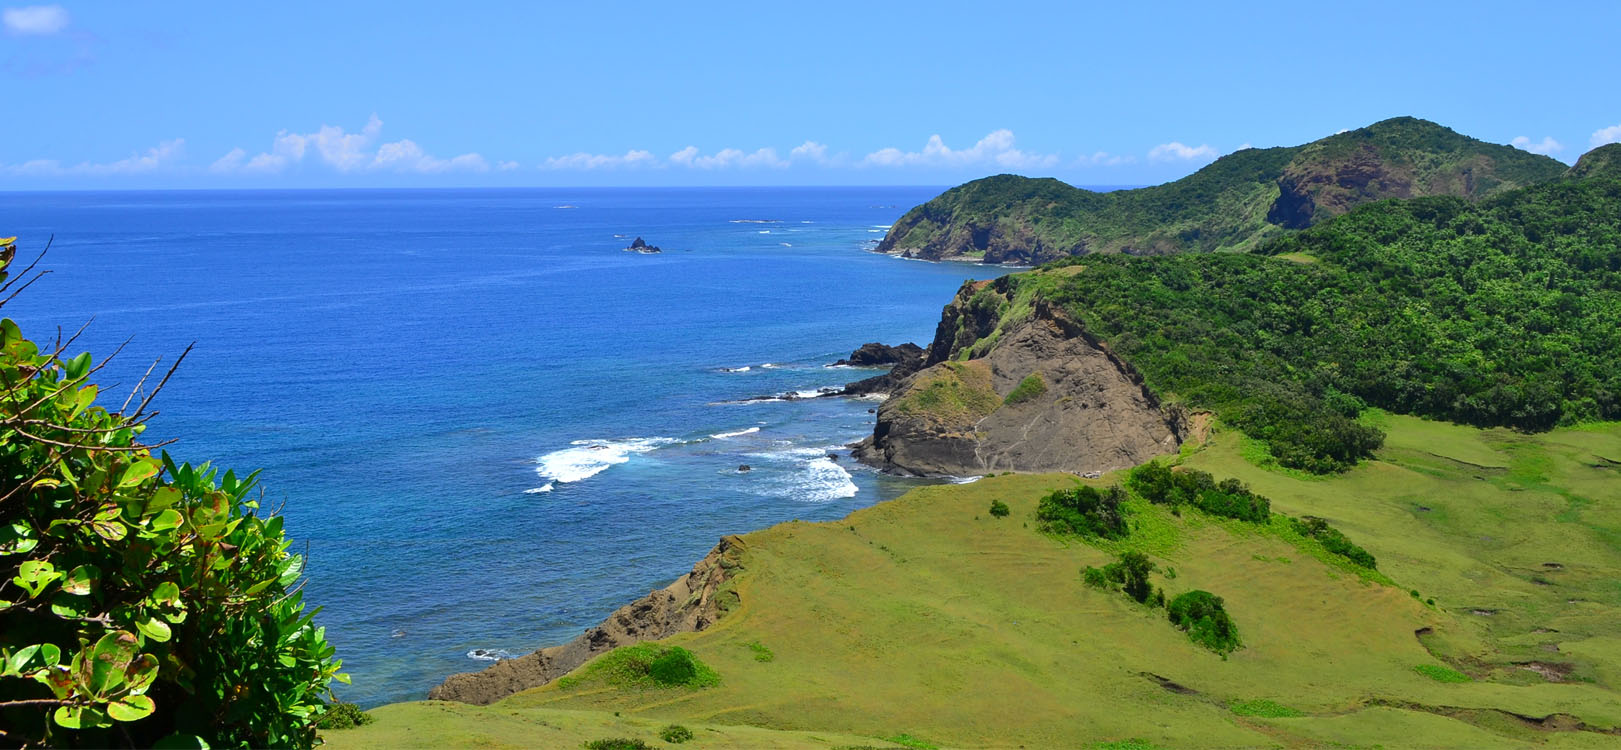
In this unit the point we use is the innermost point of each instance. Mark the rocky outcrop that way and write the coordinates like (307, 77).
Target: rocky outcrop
(641, 246)
(1044, 395)
(875, 354)
(694, 602)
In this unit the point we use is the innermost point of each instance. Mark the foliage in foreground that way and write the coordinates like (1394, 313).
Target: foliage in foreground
(140, 599)
(341, 715)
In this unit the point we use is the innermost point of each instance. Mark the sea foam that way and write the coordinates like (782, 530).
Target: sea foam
(724, 435)
(589, 458)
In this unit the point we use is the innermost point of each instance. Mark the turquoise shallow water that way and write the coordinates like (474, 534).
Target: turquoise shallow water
(412, 368)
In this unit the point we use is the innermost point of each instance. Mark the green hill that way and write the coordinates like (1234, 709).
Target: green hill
(926, 622)
(1232, 204)
(1603, 162)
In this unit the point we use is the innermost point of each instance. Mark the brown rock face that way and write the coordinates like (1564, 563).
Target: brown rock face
(694, 602)
(1085, 409)
(1310, 190)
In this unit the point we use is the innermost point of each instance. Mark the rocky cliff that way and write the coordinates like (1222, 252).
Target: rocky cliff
(1234, 203)
(693, 602)
(1012, 383)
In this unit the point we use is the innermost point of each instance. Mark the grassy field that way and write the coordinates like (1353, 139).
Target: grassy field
(924, 622)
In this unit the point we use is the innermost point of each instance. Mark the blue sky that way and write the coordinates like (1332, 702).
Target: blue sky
(327, 94)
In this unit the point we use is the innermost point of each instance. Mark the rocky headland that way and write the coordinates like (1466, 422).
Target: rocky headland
(692, 603)
(1004, 390)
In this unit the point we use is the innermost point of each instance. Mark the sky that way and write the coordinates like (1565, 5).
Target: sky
(135, 95)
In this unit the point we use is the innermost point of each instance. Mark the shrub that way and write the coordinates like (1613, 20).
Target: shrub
(1202, 616)
(1133, 569)
(1085, 511)
(1229, 498)
(341, 715)
(1027, 389)
(675, 734)
(140, 599)
(674, 667)
(761, 652)
(1095, 577)
(617, 743)
(1334, 541)
(646, 665)
(999, 509)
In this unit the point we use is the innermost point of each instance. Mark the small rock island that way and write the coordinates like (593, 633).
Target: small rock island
(641, 246)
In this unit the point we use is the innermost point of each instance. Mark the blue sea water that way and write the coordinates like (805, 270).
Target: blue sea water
(490, 425)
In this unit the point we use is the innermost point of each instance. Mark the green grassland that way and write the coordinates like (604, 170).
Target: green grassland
(925, 622)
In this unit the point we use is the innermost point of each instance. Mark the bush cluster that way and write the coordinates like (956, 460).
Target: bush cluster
(1229, 497)
(1334, 541)
(675, 734)
(141, 600)
(999, 509)
(1202, 616)
(1084, 511)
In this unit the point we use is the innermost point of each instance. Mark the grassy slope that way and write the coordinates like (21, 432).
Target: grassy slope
(925, 616)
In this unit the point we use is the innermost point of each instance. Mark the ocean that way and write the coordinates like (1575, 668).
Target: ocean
(487, 425)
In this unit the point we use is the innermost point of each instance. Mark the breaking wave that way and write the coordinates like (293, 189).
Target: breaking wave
(589, 458)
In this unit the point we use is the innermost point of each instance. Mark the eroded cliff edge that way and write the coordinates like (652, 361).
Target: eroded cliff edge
(1013, 383)
(692, 603)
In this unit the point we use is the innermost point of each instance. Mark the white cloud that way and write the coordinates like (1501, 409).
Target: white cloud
(632, 158)
(1102, 159)
(1546, 146)
(162, 155)
(726, 158)
(407, 156)
(1603, 136)
(1177, 151)
(996, 148)
(506, 166)
(809, 151)
(346, 152)
(34, 20)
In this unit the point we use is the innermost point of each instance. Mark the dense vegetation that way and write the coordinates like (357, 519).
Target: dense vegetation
(140, 600)
(1333, 541)
(1232, 204)
(647, 665)
(1498, 313)
(1202, 615)
(1230, 498)
(1085, 511)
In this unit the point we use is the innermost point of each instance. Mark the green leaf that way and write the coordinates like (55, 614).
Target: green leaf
(16, 538)
(142, 672)
(111, 530)
(163, 497)
(20, 659)
(154, 628)
(138, 472)
(109, 661)
(167, 593)
(260, 586)
(168, 519)
(35, 575)
(69, 605)
(76, 368)
(131, 708)
(76, 717)
(81, 580)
